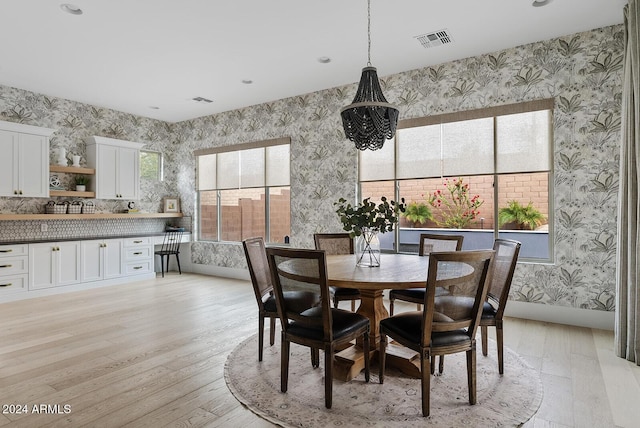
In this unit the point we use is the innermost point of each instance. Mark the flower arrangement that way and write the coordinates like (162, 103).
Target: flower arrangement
(367, 215)
(457, 208)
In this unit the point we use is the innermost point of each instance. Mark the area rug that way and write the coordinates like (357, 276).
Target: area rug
(503, 401)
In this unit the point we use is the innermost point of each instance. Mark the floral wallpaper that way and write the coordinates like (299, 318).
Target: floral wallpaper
(582, 72)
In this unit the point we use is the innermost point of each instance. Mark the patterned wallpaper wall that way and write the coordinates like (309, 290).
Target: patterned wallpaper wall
(582, 72)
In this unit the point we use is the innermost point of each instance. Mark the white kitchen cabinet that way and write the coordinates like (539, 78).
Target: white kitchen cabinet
(14, 268)
(138, 255)
(24, 164)
(54, 264)
(117, 165)
(101, 259)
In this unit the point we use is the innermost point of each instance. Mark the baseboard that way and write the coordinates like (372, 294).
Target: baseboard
(561, 315)
(224, 272)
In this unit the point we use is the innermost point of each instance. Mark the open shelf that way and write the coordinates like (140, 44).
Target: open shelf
(72, 193)
(71, 169)
(86, 216)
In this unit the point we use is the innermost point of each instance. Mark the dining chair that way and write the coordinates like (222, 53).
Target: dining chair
(429, 243)
(504, 266)
(170, 246)
(320, 326)
(332, 244)
(255, 253)
(447, 325)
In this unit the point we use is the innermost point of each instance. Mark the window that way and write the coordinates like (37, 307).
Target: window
(244, 192)
(503, 155)
(151, 165)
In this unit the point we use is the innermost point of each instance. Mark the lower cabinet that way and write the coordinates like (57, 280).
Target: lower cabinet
(102, 259)
(54, 264)
(14, 269)
(138, 255)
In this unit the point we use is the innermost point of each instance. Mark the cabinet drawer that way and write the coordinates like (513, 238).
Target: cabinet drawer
(134, 242)
(13, 284)
(143, 266)
(14, 265)
(131, 254)
(14, 250)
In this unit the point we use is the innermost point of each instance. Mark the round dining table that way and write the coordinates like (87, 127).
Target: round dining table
(396, 271)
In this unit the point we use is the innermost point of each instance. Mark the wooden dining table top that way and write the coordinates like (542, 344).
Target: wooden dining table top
(395, 271)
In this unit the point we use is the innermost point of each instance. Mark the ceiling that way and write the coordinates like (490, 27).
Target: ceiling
(152, 57)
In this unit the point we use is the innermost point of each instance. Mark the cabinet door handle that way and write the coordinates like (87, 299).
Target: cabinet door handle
(137, 242)
(6, 251)
(5, 266)
(15, 192)
(137, 253)
(6, 285)
(137, 267)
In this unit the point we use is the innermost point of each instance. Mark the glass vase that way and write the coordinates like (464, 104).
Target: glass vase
(368, 248)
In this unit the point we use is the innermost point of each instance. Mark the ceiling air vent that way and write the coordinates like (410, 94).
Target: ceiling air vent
(202, 100)
(437, 38)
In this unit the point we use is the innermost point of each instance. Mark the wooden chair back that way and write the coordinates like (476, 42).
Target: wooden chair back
(504, 266)
(256, 256)
(461, 308)
(334, 243)
(433, 243)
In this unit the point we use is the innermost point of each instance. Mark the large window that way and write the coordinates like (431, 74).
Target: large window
(244, 192)
(464, 173)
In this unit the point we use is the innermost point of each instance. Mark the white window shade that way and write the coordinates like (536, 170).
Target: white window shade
(524, 140)
(207, 172)
(277, 165)
(228, 170)
(419, 152)
(377, 164)
(252, 170)
(467, 147)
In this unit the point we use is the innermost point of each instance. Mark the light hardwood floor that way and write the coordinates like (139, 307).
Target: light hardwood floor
(152, 353)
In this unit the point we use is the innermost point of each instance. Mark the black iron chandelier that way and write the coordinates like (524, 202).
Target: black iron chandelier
(369, 120)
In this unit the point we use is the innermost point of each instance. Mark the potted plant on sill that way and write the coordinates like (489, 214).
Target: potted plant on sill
(364, 221)
(517, 216)
(81, 183)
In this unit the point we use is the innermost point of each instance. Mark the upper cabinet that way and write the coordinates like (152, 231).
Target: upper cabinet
(24, 164)
(117, 165)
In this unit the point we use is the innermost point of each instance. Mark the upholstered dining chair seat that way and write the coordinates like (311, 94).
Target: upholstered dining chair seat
(344, 323)
(343, 293)
(297, 299)
(407, 326)
(488, 312)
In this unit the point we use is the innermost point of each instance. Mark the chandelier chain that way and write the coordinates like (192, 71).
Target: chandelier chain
(369, 32)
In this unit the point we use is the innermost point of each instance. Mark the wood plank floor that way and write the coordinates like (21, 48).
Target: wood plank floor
(151, 354)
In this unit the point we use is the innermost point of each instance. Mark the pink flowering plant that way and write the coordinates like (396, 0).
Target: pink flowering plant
(457, 208)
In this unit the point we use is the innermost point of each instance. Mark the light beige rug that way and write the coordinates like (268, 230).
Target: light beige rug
(503, 401)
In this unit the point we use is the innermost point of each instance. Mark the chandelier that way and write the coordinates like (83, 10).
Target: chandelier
(369, 120)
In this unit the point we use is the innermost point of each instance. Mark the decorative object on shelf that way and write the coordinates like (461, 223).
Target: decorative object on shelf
(62, 156)
(171, 205)
(369, 120)
(59, 208)
(76, 161)
(131, 208)
(55, 183)
(81, 183)
(88, 208)
(365, 221)
(74, 207)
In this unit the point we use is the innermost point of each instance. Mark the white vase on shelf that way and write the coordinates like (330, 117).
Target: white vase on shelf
(62, 156)
(76, 161)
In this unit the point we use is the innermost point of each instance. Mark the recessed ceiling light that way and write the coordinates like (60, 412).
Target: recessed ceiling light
(154, 107)
(324, 60)
(539, 3)
(71, 8)
(247, 81)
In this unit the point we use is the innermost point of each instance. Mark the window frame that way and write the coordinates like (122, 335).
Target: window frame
(489, 112)
(264, 144)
